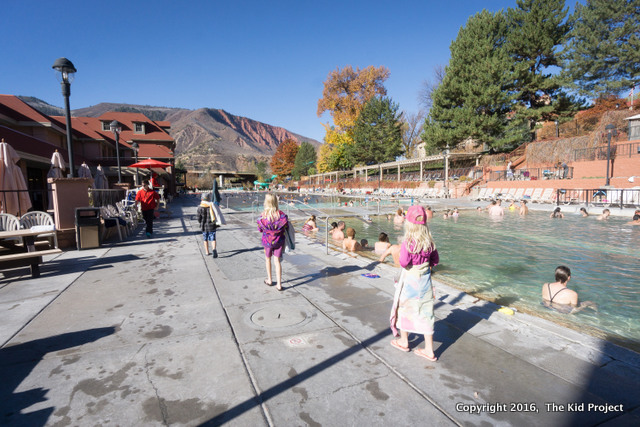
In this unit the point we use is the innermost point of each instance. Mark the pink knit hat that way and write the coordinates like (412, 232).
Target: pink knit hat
(417, 215)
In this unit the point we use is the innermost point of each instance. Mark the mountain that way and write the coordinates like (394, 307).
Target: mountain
(206, 137)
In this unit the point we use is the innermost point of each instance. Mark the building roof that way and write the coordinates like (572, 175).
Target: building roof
(153, 132)
(29, 147)
(636, 117)
(16, 109)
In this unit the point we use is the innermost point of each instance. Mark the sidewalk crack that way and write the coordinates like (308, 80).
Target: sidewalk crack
(161, 404)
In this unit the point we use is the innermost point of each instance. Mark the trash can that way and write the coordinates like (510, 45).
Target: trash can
(88, 228)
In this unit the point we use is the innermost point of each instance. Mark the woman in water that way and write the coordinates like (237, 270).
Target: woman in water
(412, 309)
(584, 212)
(556, 213)
(310, 224)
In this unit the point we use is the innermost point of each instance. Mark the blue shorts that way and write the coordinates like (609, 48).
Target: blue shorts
(209, 235)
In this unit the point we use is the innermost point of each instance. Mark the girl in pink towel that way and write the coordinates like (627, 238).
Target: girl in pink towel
(412, 309)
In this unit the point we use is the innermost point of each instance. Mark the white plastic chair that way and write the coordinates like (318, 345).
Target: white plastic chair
(9, 222)
(40, 221)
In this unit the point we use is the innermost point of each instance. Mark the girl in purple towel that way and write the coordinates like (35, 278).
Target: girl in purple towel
(273, 223)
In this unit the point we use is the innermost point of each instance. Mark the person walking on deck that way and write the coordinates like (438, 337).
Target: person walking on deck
(272, 224)
(207, 221)
(147, 201)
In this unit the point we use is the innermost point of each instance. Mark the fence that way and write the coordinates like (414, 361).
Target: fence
(99, 198)
(600, 153)
(622, 198)
(552, 172)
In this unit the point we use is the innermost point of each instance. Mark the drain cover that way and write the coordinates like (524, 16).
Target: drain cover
(279, 316)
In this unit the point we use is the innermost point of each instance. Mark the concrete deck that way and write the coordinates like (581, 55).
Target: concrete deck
(153, 332)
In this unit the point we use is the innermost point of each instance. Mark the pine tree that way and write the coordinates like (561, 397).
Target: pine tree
(474, 97)
(602, 54)
(305, 160)
(536, 28)
(377, 134)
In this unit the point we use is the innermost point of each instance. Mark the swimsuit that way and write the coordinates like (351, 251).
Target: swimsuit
(554, 295)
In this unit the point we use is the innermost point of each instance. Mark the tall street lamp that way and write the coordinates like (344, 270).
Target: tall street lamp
(67, 71)
(610, 131)
(135, 148)
(116, 128)
(445, 153)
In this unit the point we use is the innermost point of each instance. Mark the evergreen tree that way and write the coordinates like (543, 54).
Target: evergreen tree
(602, 55)
(536, 28)
(305, 160)
(377, 133)
(475, 96)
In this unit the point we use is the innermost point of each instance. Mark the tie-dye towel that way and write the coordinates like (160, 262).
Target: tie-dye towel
(412, 309)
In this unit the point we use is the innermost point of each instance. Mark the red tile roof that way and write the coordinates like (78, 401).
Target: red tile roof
(16, 109)
(153, 132)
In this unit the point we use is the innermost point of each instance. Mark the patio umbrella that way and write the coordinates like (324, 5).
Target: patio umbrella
(57, 165)
(12, 179)
(100, 181)
(84, 171)
(150, 163)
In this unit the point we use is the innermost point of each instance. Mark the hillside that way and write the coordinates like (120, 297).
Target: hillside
(206, 137)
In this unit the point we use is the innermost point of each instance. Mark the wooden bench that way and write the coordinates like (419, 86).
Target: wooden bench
(25, 255)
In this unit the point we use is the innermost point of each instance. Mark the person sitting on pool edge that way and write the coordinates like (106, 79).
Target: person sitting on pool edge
(350, 243)
(382, 244)
(338, 234)
(559, 293)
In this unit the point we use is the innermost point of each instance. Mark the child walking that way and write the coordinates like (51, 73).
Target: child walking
(273, 223)
(412, 309)
(207, 221)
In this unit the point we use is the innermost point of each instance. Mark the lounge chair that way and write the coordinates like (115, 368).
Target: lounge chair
(547, 196)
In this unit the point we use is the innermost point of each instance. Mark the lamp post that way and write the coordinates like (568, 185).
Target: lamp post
(610, 130)
(135, 148)
(445, 153)
(67, 70)
(116, 128)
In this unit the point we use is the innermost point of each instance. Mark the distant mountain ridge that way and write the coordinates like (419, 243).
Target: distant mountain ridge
(206, 138)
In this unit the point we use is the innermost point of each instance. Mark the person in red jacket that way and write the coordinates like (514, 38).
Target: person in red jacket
(147, 200)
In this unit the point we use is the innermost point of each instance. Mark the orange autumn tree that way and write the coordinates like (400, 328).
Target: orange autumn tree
(344, 96)
(284, 158)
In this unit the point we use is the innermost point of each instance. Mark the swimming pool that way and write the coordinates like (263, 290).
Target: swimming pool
(507, 259)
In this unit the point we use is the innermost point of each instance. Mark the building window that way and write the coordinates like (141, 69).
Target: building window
(106, 126)
(139, 127)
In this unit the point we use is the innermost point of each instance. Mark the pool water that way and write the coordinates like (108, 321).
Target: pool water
(507, 259)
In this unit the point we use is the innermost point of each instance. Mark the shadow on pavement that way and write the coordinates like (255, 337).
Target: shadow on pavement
(292, 382)
(17, 362)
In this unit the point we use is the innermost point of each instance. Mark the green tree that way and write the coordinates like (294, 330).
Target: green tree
(536, 29)
(377, 134)
(475, 96)
(260, 169)
(305, 160)
(602, 54)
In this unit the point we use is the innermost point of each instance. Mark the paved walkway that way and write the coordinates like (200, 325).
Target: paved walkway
(153, 332)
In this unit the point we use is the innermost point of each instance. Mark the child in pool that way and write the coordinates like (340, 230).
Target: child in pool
(350, 243)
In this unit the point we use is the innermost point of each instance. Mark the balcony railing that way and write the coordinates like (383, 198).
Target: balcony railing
(532, 174)
(600, 153)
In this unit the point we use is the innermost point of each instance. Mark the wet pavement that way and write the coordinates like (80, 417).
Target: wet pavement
(154, 332)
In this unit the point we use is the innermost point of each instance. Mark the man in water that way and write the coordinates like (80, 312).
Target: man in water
(496, 208)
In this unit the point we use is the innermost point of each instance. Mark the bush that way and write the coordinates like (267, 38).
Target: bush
(431, 184)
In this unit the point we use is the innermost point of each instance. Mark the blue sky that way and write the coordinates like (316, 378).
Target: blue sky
(265, 60)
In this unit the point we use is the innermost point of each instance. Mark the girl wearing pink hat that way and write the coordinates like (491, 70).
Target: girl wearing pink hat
(412, 309)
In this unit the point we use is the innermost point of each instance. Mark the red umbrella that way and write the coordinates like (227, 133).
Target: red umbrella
(150, 163)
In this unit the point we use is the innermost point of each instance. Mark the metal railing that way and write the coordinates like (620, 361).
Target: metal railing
(600, 153)
(629, 198)
(552, 172)
(100, 197)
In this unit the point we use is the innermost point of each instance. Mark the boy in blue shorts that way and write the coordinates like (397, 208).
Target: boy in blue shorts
(207, 221)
